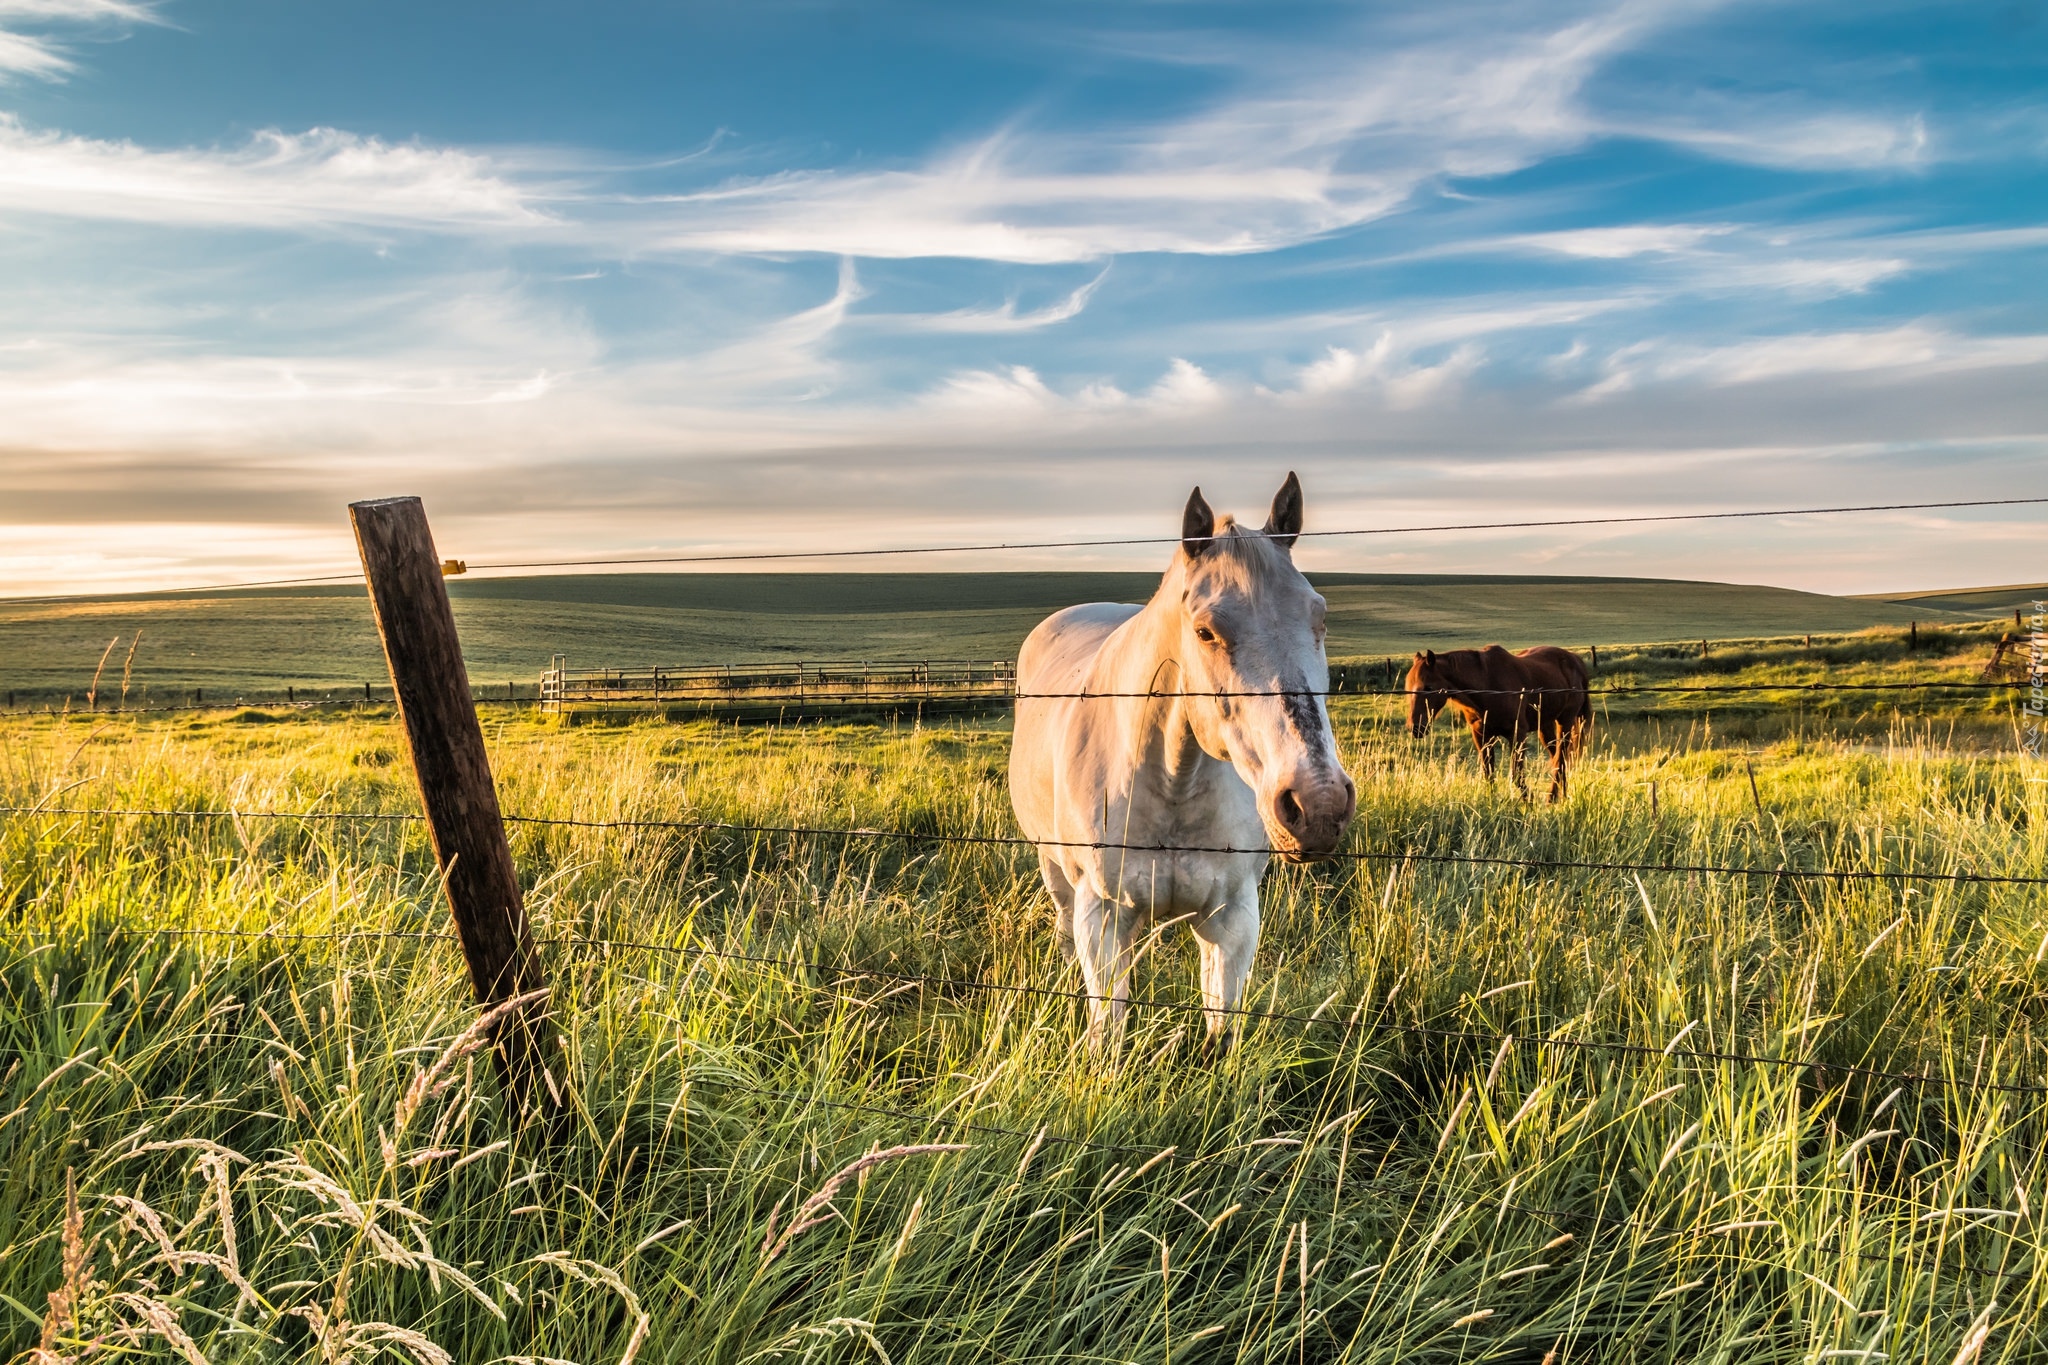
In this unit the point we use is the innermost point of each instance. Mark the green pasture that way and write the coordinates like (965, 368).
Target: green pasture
(322, 640)
(280, 1150)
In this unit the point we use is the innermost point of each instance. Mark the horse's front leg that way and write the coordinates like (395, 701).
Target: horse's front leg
(1229, 938)
(1484, 744)
(1557, 742)
(1061, 888)
(1105, 934)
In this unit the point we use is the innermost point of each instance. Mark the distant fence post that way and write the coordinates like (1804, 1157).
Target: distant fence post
(431, 689)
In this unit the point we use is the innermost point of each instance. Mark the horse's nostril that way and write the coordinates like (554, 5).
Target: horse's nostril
(1290, 809)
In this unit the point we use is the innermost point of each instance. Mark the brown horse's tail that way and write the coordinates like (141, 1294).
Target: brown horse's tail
(1582, 728)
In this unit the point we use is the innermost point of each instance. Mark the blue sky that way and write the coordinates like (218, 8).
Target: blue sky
(631, 277)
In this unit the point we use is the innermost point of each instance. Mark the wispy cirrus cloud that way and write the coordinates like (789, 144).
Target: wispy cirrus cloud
(1284, 156)
(38, 54)
(1292, 153)
(1293, 147)
(1920, 349)
(991, 320)
(313, 180)
(1435, 257)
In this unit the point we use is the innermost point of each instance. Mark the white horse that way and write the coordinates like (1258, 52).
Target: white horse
(1195, 722)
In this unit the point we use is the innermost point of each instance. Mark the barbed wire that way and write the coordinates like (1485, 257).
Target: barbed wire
(1044, 1136)
(718, 702)
(1617, 690)
(1236, 1012)
(1839, 875)
(963, 692)
(1332, 1020)
(1555, 1217)
(1248, 533)
(49, 706)
(736, 557)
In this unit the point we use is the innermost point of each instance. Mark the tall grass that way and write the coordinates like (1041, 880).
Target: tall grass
(283, 1148)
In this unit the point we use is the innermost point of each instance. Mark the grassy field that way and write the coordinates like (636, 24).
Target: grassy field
(280, 1150)
(322, 640)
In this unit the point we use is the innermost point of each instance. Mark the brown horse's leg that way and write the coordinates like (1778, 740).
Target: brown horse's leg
(1484, 746)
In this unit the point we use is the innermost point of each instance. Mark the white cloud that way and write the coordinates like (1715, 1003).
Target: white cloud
(1618, 243)
(1921, 349)
(991, 320)
(1296, 152)
(1015, 391)
(1184, 385)
(23, 54)
(1305, 149)
(1767, 132)
(787, 357)
(77, 10)
(1388, 376)
(312, 180)
(1302, 144)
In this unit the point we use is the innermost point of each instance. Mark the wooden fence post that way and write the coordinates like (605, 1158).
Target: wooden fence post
(431, 688)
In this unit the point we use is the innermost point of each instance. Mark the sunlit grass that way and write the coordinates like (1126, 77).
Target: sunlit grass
(1356, 1188)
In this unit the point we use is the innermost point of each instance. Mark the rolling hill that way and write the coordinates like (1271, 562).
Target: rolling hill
(319, 638)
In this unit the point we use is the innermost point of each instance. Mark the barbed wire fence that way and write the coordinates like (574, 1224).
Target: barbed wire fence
(1150, 1003)
(1351, 1024)
(1839, 875)
(1250, 1157)
(904, 696)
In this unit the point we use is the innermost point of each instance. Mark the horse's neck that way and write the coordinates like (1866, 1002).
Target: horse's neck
(1473, 682)
(1143, 672)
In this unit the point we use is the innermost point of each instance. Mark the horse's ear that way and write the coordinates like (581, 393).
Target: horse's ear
(1283, 523)
(1197, 525)
(1431, 656)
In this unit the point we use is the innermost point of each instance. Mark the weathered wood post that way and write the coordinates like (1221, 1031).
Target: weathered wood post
(431, 689)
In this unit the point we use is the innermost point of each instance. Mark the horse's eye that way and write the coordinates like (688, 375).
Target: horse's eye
(1205, 635)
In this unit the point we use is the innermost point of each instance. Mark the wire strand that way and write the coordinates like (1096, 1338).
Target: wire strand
(1177, 540)
(581, 942)
(714, 702)
(1044, 1136)
(741, 557)
(1103, 845)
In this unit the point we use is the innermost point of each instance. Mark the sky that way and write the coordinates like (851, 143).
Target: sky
(634, 278)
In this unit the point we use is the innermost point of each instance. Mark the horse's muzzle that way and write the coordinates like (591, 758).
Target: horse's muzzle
(1307, 821)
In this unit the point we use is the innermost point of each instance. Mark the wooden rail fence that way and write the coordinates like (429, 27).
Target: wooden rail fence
(777, 690)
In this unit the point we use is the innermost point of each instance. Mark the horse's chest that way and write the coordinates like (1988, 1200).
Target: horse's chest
(1181, 846)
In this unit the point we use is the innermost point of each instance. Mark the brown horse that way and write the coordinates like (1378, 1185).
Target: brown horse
(1504, 696)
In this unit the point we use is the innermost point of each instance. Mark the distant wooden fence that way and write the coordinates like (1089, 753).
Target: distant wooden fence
(806, 690)
(791, 691)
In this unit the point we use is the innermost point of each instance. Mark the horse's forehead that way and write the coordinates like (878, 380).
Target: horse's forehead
(1231, 583)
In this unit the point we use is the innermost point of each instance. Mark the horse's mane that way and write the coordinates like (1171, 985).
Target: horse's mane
(1252, 553)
